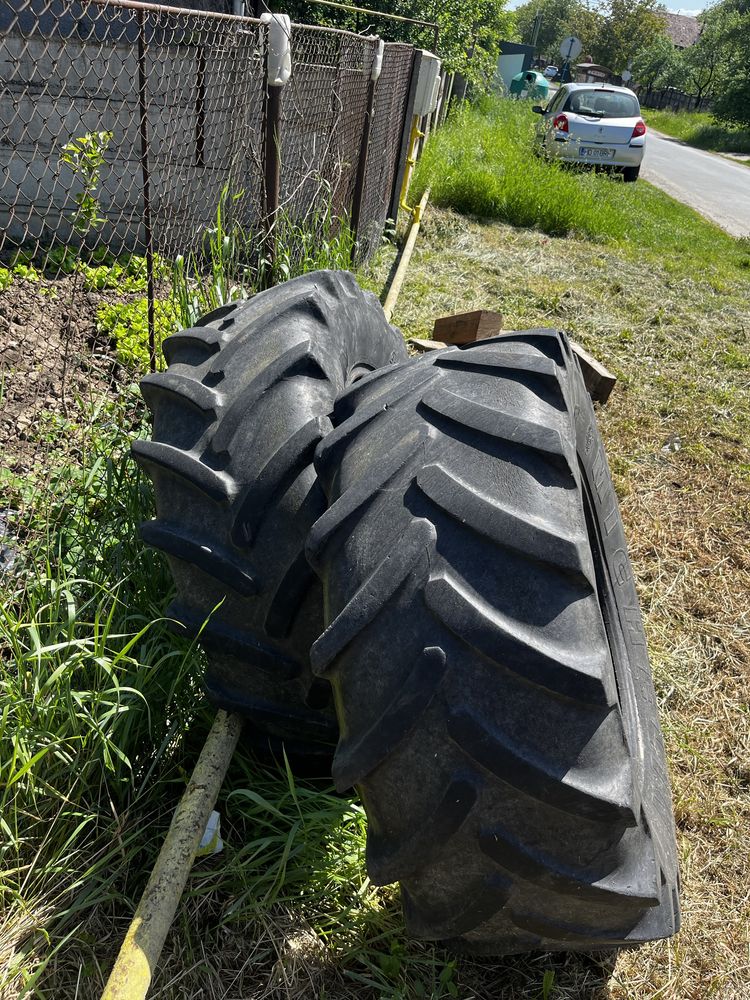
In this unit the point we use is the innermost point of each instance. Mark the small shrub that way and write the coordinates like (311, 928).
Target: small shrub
(85, 157)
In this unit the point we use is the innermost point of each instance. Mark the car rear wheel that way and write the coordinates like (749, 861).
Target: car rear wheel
(630, 174)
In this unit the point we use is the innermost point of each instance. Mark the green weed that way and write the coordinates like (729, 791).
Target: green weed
(234, 263)
(85, 158)
(126, 323)
(90, 716)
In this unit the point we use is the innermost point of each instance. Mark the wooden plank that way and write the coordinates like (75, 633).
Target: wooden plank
(465, 328)
(425, 345)
(598, 380)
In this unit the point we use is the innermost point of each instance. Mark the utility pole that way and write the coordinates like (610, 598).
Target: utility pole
(535, 29)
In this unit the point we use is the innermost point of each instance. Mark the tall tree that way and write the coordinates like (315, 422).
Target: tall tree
(703, 61)
(627, 27)
(659, 65)
(726, 27)
(559, 18)
(555, 16)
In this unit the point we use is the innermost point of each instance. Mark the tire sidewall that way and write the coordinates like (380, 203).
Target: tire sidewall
(638, 703)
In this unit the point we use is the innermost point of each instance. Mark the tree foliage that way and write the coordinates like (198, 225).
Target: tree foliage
(470, 30)
(659, 65)
(628, 26)
(702, 62)
(556, 18)
(559, 18)
(726, 28)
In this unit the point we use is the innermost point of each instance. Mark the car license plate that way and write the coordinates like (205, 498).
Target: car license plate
(597, 153)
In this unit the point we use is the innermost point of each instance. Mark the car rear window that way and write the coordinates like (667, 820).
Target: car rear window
(603, 103)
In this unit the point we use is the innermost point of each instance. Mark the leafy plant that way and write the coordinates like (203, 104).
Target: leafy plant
(125, 274)
(26, 272)
(126, 323)
(85, 157)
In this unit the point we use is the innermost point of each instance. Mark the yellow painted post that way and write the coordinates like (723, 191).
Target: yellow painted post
(132, 973)
(398, 278)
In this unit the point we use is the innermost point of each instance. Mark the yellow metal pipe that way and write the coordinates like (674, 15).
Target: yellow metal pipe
(411, 160)
(398, 278)
(132, 973)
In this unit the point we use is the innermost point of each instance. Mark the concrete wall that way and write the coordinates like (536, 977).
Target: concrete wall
(54, 89)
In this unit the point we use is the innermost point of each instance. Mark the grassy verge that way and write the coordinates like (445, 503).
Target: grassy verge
(698, 128)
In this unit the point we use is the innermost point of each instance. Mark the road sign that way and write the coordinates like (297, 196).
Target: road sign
(626, 76)
(570, 47)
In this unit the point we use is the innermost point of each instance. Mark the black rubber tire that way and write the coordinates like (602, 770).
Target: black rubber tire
(630, 174)
(237, 415)
(487, 655)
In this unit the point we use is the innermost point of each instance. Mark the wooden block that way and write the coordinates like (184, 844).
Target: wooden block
(465, 328)
(425, 345)
(599, 382)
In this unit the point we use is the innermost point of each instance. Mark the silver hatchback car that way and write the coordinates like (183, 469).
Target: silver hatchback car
(594, 124)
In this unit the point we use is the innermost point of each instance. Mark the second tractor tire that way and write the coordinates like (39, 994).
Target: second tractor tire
(485, 646)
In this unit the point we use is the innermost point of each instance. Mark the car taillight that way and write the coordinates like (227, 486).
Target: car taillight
(561, 123)
(640, 129)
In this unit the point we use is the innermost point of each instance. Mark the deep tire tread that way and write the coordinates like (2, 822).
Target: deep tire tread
(238, 414)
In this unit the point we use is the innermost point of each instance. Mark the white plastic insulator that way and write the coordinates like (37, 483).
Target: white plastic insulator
(279, 57)
(425, 98)
(377, 63)
(435, 93)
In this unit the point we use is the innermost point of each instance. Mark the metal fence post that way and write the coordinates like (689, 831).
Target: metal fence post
(143, 106)
(272, 166)
(278, 71)
(359, 183)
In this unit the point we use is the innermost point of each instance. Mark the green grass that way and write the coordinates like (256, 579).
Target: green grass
(233, 263)
(701, 129)
(481, 164)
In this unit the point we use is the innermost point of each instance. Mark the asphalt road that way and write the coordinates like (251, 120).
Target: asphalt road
(711, 184)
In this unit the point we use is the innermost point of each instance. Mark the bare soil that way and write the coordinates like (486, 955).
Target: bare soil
(54, 366)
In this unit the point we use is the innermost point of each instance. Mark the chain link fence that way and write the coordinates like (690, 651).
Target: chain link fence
(172, 101)
(133, 190)
(385, 140)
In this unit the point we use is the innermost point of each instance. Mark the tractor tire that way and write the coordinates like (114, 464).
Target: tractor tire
(245, 399)
(486, 651)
